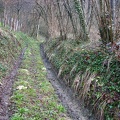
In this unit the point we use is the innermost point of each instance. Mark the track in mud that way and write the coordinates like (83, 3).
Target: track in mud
(6, 88)
(74, 108)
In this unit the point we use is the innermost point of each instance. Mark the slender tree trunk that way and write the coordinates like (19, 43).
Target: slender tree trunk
(68, 9)
(60, 19)
(80, 12)
(5, 14)
(113, 9)
(38, 28)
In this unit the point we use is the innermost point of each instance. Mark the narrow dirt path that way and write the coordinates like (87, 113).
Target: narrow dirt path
(6, 88)
(33, 96)
(75, 110)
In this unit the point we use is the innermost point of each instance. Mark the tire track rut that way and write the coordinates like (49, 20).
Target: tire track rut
(6, 88)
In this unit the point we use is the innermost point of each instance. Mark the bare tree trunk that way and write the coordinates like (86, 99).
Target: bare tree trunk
(5, 14)
(80, 12)
(68, 9)
(38, 28)
(113, 9)
(11, 24)
(60, 20)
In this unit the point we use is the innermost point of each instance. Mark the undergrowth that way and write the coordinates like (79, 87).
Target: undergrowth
(10, 48)
(94, 75)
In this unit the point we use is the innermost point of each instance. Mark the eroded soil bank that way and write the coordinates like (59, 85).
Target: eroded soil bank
(74, 108)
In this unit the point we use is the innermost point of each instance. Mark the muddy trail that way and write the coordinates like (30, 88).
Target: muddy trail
(73, 106)
(6, 88)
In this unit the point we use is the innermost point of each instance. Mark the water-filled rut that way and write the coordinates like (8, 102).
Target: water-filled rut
(73, 106)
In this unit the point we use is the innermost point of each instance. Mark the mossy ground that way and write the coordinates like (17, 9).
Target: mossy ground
(33, 96)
